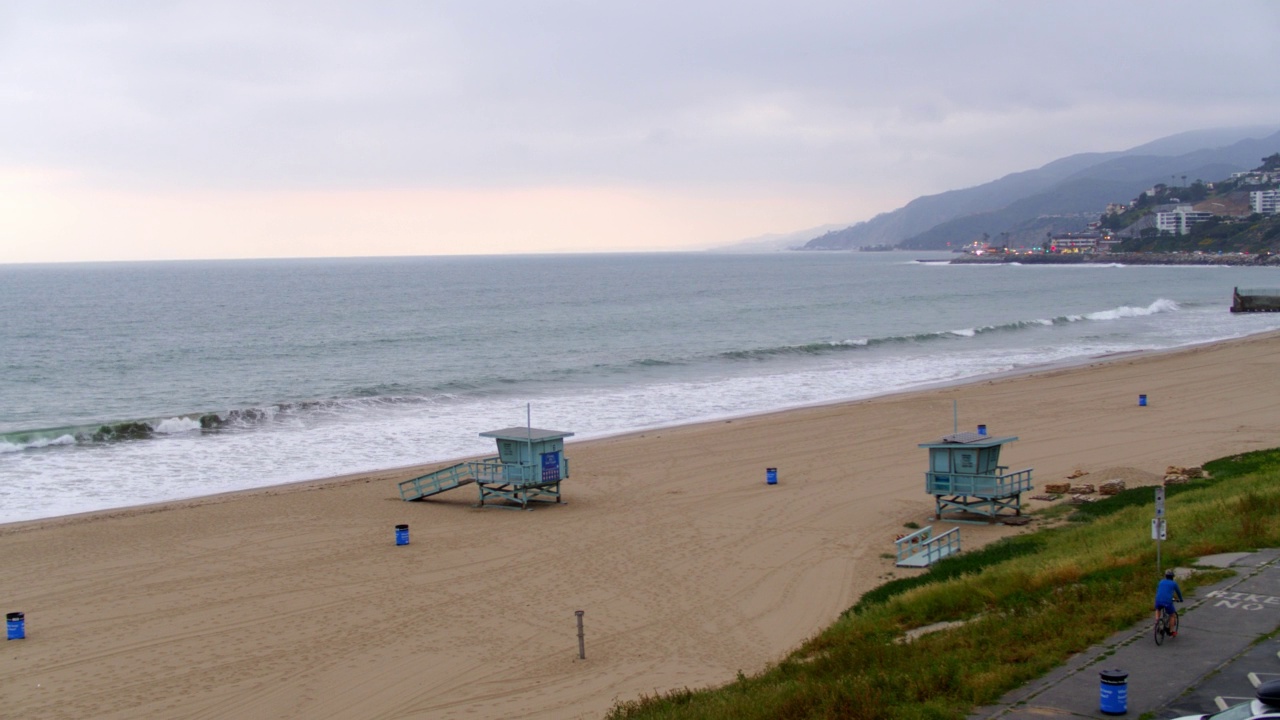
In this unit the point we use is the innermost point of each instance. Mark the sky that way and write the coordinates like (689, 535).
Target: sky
(139, 130)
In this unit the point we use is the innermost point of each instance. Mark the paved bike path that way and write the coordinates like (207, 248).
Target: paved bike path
(1220, 625)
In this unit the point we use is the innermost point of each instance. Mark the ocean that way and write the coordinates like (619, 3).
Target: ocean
(130, 383)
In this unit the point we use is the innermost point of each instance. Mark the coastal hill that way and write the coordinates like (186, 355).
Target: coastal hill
(1061, 196)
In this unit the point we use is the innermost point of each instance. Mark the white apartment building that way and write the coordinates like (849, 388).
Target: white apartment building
(1180, 219)
(1265, 201)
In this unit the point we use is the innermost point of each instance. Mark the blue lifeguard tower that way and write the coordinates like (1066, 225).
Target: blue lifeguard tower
(528, 468)
(965, 477)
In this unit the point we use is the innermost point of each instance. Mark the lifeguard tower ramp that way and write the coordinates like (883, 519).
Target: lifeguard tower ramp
(966, 478)
(922, 548)
(528, 468)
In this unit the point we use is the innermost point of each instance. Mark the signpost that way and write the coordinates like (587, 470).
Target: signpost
(1159, 531)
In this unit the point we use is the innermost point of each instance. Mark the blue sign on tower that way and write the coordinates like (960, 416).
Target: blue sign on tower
(551, 466)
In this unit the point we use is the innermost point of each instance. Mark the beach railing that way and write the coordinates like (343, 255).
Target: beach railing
(982, 486)
(921, 548)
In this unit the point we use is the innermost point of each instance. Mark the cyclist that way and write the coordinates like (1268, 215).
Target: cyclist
(1166, 592)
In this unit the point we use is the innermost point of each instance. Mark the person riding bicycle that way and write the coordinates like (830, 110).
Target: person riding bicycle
(1166, 592)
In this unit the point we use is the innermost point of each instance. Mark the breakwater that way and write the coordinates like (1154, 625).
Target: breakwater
(1121, 259)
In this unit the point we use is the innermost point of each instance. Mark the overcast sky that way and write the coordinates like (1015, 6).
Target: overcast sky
(156, 130)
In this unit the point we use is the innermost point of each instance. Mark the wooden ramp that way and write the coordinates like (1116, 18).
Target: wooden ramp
(444, 480)
(922, 549)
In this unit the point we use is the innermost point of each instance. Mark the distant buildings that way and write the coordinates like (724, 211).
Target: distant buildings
(1265, 202)
(1180, 219)
(1092, 241)
(1255, 177)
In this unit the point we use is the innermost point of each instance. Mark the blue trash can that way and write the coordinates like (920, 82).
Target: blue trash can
(1142, 401)
(402, 534)
(1113, 696)
(982, 429)
(771, 476)
(15, 626)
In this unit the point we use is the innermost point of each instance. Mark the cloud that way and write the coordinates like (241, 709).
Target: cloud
(858, 98)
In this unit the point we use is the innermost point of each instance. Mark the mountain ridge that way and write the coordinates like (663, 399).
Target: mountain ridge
(1076, 184)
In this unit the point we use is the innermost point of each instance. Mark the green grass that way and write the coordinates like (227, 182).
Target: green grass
(1026, 603)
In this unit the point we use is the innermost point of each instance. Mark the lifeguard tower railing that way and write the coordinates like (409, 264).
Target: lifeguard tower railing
(1001, 484)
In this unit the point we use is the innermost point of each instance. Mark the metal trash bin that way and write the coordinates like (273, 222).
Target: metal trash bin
(1113, 696)
(15, 626)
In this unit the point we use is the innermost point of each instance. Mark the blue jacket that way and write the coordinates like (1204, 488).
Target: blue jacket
(1166, 591)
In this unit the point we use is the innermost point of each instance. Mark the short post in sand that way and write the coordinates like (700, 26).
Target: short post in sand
(582, 642)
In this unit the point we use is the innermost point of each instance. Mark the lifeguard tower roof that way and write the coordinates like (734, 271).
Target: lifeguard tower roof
(526, 434)
(971, 439)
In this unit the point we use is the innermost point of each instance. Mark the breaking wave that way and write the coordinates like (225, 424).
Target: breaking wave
(1159, 306)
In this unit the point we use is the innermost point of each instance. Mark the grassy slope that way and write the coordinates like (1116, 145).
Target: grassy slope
(1027, 603)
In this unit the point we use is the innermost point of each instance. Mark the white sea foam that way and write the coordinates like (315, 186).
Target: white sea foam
(36, 443)
(1159, 306)
(176, 425)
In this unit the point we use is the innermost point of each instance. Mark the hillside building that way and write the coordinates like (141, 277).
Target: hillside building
(1265, 202)
(1076, 242)
(1180, 219)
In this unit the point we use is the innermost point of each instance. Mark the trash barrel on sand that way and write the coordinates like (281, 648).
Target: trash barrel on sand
(771, 476)
(15, 625)
(402, 534)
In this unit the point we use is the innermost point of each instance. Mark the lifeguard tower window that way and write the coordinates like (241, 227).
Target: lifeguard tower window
(507, 451)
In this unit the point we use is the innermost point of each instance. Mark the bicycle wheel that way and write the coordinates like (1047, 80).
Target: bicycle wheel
(1160, 621)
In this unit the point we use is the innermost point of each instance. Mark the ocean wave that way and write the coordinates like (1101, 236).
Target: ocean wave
(364, 399)
(240, 419)
(1161, 305)
(815, 348)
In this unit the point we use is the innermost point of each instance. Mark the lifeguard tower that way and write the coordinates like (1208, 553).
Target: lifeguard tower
(528, 468)
(965, 477)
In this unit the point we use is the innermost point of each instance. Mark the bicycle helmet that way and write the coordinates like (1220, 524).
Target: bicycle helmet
(1169, 573)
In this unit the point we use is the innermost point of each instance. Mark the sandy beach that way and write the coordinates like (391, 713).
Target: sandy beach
(295, 602)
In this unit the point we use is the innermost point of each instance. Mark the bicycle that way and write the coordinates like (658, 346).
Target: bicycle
(1166, 624)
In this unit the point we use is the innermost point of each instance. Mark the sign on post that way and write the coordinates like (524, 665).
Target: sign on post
(1159, 531)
